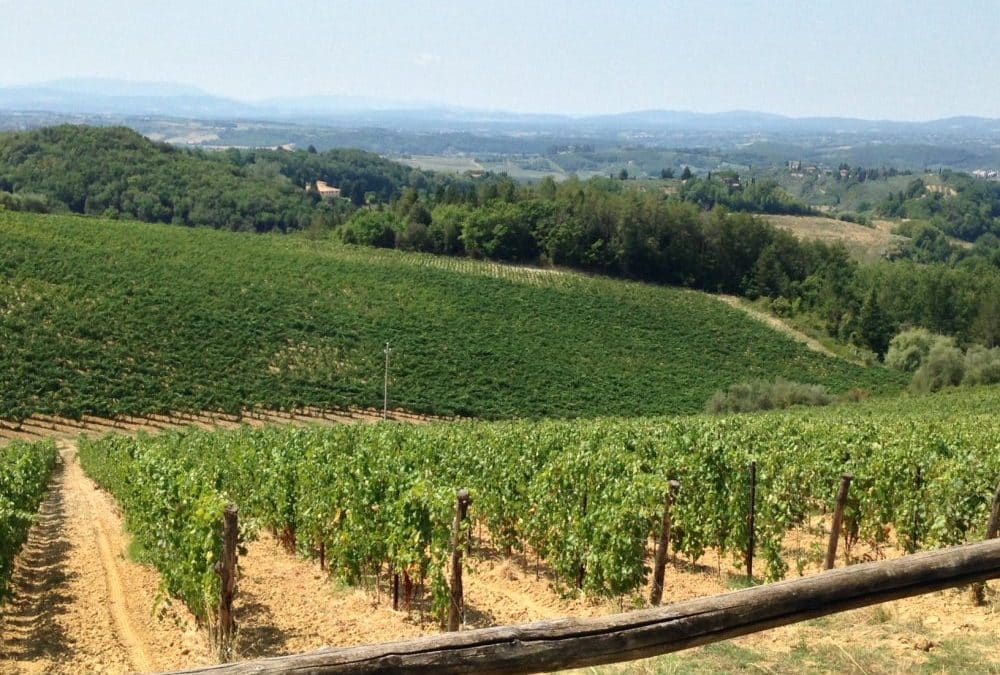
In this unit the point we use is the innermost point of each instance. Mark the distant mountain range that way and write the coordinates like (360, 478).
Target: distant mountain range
(117, 97)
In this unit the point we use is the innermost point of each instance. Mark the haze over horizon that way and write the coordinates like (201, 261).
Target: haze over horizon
(892, 60)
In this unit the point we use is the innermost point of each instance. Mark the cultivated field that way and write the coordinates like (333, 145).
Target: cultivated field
(181, 371)
(130, 319)
(441, 163)
(82, 602)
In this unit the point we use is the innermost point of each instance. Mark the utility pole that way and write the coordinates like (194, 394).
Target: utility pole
(385, 384)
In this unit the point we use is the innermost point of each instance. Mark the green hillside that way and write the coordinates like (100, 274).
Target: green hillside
(120, 317)
(116, 172)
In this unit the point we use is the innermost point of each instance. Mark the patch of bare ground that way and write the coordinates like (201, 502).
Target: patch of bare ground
(39, 427)
(865, 243)
(289, 605)
(79, 604)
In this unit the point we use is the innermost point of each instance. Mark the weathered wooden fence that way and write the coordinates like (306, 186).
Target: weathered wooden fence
(571, 643)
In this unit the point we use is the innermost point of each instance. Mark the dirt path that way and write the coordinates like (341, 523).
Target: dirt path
(80, 605)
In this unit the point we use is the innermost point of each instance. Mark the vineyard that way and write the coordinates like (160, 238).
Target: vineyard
(584, 498)
(24, 476)
(122, 318)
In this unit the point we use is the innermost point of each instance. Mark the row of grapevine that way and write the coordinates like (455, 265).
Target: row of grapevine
(173, 508)
(24, 477)
(586, 495)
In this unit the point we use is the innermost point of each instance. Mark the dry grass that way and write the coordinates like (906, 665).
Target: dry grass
(864, 243)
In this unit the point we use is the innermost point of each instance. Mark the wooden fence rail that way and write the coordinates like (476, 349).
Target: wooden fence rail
(572, 643)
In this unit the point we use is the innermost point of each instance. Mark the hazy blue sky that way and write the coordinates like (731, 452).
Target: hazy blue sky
(901, 60)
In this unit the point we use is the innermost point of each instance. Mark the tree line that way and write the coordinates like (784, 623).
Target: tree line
(602, 227)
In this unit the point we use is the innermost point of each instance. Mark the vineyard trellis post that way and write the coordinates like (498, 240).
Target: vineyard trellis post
(992, 532)
(838, 519)
(752, 521)
(226, 569)
(581, 572)
(385, 384)
(456, 605)
(659, 567)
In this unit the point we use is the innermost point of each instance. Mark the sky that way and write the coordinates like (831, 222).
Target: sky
(904, 60)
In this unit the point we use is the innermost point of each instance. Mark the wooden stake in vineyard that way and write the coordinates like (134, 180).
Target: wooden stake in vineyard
(385, 384)
(457, 600)
(226, 568)
(752, 521)
(838, 519)
(914, 540)
(660, 564)
(992, 532)
(581, 573)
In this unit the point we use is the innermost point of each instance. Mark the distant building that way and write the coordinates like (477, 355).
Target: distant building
(326, 191)
(795, 165)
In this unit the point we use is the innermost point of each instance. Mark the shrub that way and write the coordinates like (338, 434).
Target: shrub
(371, 228)
(856, 218)
(858, 394)
(763, 395)
(943, 367)
(22, 201)
(908, 350)
(982, 366)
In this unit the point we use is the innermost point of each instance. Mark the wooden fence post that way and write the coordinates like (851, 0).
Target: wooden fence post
(752, 521)
(838, 518)
(455, 608)
(992, 532)
(226, 569)
(660, 565)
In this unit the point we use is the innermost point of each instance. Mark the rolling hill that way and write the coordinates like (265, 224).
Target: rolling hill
(112, 317)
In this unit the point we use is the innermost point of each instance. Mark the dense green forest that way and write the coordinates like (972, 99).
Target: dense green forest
(960, 205)
(938, 217)
(115, 172)
(111, 317)
(753, 196)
